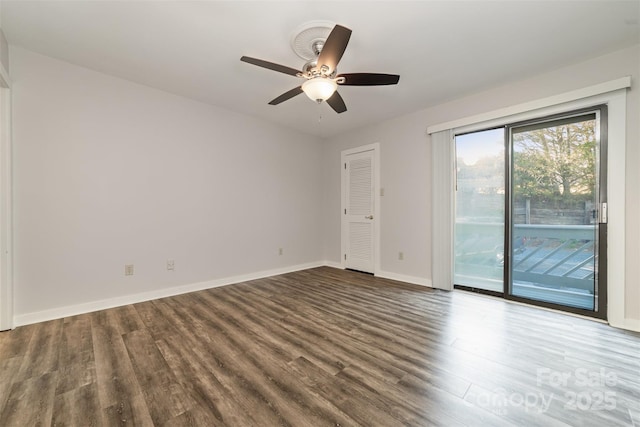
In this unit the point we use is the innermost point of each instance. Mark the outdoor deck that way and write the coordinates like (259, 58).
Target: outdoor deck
(553, 263)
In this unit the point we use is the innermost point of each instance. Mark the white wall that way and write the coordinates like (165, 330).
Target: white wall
(405, 171)
(108, 172)
(4, 47)
(405, 180)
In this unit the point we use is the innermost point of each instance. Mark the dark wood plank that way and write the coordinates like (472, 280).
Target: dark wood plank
(41, 356)
(231, 382)
(30, 402)
(317, 347)
(366, 406)
(75, 355)
(15, 343)
(158, 325)
(131, 410)
(164, 396)
(78, 407)
(8, 370)
(266, 367)
(211, 401)
(118, 390)
(126, 319)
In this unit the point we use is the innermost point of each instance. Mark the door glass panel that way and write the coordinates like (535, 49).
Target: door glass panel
(479, 225)
(553, 211)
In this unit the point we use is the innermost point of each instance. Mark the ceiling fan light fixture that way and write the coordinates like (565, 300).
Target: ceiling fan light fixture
(320, 70)
(319, 88)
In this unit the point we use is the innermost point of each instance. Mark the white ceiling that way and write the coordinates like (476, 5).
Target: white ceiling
(442, 49)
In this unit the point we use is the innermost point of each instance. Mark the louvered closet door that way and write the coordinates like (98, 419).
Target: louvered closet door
(359, 211)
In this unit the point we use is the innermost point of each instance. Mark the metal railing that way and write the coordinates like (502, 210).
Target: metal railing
(552, 256)
(556, 255)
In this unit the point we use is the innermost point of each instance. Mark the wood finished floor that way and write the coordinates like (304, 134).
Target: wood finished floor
(321, 347)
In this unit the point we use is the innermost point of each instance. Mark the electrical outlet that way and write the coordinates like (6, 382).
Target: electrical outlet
(280, 251)
(128, 270)
(171, 265)
(400, 255)
(381, 192)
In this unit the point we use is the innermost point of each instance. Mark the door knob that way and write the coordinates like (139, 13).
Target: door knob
(369, 217)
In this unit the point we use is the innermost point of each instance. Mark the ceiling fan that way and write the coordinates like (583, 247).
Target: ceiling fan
(320, 73)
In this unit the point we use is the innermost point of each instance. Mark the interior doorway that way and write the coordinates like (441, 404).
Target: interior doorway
(360, 210)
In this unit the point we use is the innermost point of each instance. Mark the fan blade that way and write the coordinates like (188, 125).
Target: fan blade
(369, 79)
(334, 47)
(337, 103)
(287, 95)
(270, 65)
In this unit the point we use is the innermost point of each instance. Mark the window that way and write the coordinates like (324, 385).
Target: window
(527, 205)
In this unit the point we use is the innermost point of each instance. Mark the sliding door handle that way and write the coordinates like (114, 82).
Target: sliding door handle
(604, 215)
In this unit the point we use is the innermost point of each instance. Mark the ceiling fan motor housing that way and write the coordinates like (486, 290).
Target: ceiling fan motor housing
(322, 46)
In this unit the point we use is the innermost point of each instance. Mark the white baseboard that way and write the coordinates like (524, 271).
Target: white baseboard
(404, 278)
(389, 275)
(627, 324)
(333, 264)
(73, 310)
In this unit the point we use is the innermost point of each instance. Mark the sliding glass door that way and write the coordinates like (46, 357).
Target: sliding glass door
(546, 244)
(480, 202)
(554, 206)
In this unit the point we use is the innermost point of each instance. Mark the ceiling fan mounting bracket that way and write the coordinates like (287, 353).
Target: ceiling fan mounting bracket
(322, 53)
(317, 47)
(308, 39)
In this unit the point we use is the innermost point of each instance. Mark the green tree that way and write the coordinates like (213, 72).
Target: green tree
(556, 162)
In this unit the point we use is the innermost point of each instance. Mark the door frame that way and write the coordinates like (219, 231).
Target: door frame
(6, 205)
(375, 147)
(614, 95)
(600, 280)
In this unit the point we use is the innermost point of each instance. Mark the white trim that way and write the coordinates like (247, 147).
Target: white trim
(422, 281)
(59, 313)
(375, 147)
(616, 205)
(333, 264)
(616, 255)
(574, 95)
(628, 324)
(6, 206)
(73, 310)
(442, 209)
